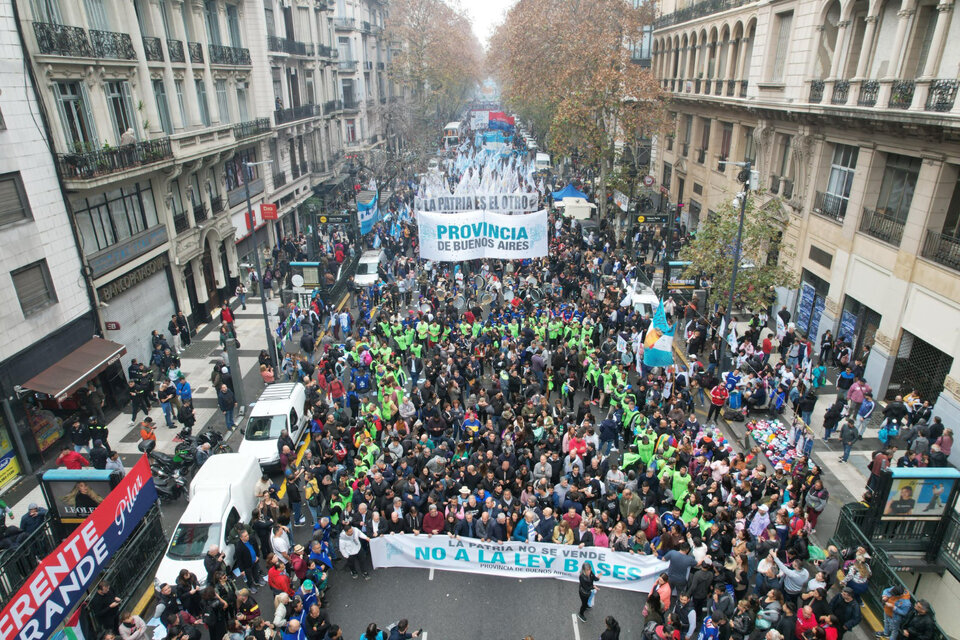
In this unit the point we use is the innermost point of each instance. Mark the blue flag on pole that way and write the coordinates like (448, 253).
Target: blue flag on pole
(368, 215)
(658, 345)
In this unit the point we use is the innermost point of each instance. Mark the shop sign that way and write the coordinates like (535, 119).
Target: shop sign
(268, 211)
(9, 468)
(124, 252)
(131, 279)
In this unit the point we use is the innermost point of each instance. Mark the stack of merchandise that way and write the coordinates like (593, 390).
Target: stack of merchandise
(782, 443)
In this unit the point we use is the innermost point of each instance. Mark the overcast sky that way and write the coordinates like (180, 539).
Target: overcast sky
(485, 14)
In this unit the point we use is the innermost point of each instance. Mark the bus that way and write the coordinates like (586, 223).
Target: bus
(451, 134)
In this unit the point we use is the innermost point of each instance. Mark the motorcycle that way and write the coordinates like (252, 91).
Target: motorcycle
(171, 474)
(188, 448)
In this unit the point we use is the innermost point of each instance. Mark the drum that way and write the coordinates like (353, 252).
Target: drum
(425, 308)
(479, 282)
(460, 302)
(508, 293)
(486, 298)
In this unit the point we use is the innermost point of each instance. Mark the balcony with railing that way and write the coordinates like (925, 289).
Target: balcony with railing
(295, 170)
(830, 206)
(279, 179)
(701, 156)
(232, 56)
(108, 44)
(669, 143)
(942, 248)
(196, 52)
(292, 114)
(344, 24)
(199, 213)
(881, 226)
(285, 45)
(722, 163)
(942, 95)
(251, 128)
(698, 10)
(351, 105)
(152, 49)
(216, 205)
(841, 88)
(381, 66)
(786, 188)
(181, 222)
(816, 91)
(92, 164)
(175, 49)
(326, 52)
(869, 90)
(774, 184)
(348, 66)
(743, 88)
(684, 149)
(901, 94)
(368, 65)
(332, 106)
(62, 40)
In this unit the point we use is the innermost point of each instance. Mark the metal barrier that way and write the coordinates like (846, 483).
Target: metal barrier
(18, 563)
(849, 534)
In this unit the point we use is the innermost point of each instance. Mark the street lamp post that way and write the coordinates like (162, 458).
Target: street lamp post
(744, 178)
(271, 348)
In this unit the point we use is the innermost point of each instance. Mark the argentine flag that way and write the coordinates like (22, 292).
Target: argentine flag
(658, 345)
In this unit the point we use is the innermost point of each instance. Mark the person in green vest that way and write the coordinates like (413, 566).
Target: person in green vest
(423, 328)
(681, 484)
(434, 331)
(645, 450)
(553, 331)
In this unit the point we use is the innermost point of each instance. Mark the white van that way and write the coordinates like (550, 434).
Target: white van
(367, 267)
(221, 495)
(279, 407)
(542, 162)
(640, 297)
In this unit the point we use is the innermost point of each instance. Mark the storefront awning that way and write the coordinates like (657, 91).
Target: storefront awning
(73, 371)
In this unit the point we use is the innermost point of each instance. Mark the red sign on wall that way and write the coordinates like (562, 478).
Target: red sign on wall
(112, 326)
(251, 219)
(268, 211)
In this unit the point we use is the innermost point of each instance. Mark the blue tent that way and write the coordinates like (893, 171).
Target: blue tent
(569, 191)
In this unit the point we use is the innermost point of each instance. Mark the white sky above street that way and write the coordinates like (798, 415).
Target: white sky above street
(484, 15)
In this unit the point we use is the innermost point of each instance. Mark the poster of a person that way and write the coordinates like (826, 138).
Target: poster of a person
(913, 497)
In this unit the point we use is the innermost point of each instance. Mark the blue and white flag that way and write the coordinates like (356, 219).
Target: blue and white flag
(658, 345)
(368, 215)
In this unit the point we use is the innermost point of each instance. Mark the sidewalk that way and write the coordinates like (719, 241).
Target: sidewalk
(196, 363)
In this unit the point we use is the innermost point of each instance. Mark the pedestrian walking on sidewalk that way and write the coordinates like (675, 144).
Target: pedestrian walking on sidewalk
(848, 436)
(242, 296)
(226, 401)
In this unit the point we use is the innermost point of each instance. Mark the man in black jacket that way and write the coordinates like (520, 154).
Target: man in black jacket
(847, 610)
(918, 624)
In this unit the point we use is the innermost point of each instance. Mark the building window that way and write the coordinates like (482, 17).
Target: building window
(121, 108)
(78, 126)
(46, 11)
(236, 177)
(268, 15)
(351, 130)
(242, 101)
(667, 175)
(786, 141)
(114, 216)
(202, 101)
(178, 86)
(951, 223)
(842, 169)
(784, 24)
(96, 15)
(165, 18)
(726, 140)
(185, 12)
(898, 186)
(34, 287)
(14, 205)
(163, 108)
(346, 86)
(749, 146)
(222, 103)
(213, 22)
(233, 24)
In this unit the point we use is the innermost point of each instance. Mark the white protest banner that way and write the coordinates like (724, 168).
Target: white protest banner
(621, 200)
(502, 203)
(479, 119)
(482, 234)
(616, 569)
(621, 344)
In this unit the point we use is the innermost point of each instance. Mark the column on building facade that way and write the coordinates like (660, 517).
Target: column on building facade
(866, 47)
(934, 56)
(904, 17)
(931, 173)
(176, 120)
(233, 261)
(129, 24)
(858, 189)
(838, 51)
(199, 282)
(213, 109)
(731, 59)
(219, 280)
(744, 60)
(192, 106)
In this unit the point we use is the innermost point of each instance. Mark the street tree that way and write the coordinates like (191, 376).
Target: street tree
(576, 83)
(437, 60)
(711, 253)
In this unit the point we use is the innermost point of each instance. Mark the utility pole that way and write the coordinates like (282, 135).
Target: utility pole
(271, 348)
(744, 178)
(668, 250)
